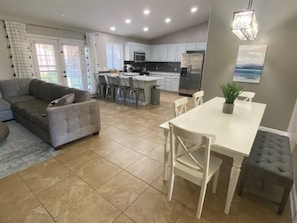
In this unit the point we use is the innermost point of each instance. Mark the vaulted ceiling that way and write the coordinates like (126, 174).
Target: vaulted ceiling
(101, 15)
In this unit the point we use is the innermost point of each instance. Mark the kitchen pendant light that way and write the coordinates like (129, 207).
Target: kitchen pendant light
(244, 24)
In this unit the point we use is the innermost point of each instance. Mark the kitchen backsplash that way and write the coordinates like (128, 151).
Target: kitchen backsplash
(157, 66)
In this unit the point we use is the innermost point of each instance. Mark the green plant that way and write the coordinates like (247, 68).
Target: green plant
(231, 91)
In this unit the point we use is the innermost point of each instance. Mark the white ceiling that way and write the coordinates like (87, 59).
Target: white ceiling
(100, 15)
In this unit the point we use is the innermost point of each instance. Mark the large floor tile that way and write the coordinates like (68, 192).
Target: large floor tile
(157, 153)
(152, 206)
(214, 205)
(13, 190)
(18, 203)
(258, 210)
(104, 146)
(123, 219)
(59, 197)
(123, 157)
(189, 216)
(183, 190)
(91, 209)
(122, 190)
(146, 169)
(142, 145)
(95, 171)
(43, 175)
(123, 139)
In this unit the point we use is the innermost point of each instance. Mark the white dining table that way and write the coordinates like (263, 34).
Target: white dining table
(235, 133)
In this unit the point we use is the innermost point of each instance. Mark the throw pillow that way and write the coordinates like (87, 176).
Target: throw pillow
(65, 100)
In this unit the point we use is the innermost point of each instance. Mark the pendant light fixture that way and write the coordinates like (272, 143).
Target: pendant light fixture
(244, 24)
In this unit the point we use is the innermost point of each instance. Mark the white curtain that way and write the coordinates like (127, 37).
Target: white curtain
(91, 59)
(19, 49)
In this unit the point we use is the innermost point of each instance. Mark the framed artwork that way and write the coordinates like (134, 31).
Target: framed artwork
(249, 63)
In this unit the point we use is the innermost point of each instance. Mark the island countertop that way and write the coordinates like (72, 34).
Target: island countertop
(137, 77)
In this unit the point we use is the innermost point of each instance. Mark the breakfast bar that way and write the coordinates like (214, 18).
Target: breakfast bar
(145, 82)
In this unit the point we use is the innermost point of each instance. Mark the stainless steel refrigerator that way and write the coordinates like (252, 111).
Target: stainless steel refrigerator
(191, 73)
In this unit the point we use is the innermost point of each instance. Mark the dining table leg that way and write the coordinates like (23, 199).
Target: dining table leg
(166, 154)
(234, 175)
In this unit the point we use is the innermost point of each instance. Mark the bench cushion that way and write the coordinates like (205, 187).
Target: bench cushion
(271, 157)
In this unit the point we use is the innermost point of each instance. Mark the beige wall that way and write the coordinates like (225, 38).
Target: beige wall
(278, 87)
(196, 33)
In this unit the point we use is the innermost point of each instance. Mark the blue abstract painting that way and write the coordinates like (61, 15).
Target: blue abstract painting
(249, 64)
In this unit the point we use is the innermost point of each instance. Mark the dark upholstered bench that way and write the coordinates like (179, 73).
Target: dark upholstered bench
(270, 162)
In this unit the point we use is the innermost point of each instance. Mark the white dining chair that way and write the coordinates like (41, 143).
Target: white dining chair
(180, 106)
(198, 98)
(191, 160)
(246, 96)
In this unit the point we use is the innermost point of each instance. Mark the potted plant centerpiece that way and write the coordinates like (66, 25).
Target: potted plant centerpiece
(231, 92)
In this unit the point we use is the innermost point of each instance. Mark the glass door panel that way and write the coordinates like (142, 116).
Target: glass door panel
(47, 65)
(73, 66)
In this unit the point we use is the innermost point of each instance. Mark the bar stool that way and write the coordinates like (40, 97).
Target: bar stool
(135, 91)
(101, 85)
(121, 88)
(110, 87)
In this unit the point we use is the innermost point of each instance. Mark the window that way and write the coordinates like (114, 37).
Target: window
(114, 56)
(47, 65)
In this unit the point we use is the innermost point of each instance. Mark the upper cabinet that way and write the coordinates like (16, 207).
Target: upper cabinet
(162, 52)
(131, 47)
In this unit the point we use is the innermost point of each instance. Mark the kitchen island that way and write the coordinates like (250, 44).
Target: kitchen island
(145, 82)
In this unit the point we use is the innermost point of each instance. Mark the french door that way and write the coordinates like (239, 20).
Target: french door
(60, 62)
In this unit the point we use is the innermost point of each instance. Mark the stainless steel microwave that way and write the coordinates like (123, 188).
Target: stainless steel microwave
(139, 57)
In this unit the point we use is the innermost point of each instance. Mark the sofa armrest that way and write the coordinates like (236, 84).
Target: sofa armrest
(70, 122)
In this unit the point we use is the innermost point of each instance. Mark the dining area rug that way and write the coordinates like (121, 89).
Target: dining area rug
(22, 149)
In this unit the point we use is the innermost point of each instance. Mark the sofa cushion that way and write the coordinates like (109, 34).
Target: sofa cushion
(15, 87)
(33, 110)
(80, 95)
(4, 105)
(13, 100)
(65, 100)
(34, 87)
(44, 91)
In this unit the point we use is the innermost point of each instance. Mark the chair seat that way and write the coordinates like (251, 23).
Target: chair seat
(187, 167)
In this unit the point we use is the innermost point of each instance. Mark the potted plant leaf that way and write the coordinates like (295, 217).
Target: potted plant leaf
(230, 92)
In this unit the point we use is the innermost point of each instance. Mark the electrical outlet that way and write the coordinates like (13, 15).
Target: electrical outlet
(157, 68)
(175, 69)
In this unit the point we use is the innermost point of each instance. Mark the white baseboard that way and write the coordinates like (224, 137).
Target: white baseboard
(279, 132)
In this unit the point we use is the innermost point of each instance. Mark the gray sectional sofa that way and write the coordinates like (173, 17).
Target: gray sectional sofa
(55, 113)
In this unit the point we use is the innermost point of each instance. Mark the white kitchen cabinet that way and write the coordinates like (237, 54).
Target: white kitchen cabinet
(131, 47)
(161, 52)
(202, 46)
(175, 83)
(171, 52)
(191, 46)
(170, 81)
(180, 49)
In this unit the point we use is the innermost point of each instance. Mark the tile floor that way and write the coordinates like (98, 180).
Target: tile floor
(117, 177)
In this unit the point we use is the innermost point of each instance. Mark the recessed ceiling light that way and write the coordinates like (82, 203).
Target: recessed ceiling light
(128, 21)
(146, 11)
(194, 9)
(167, 20)
(112, 28)
(145, 29)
